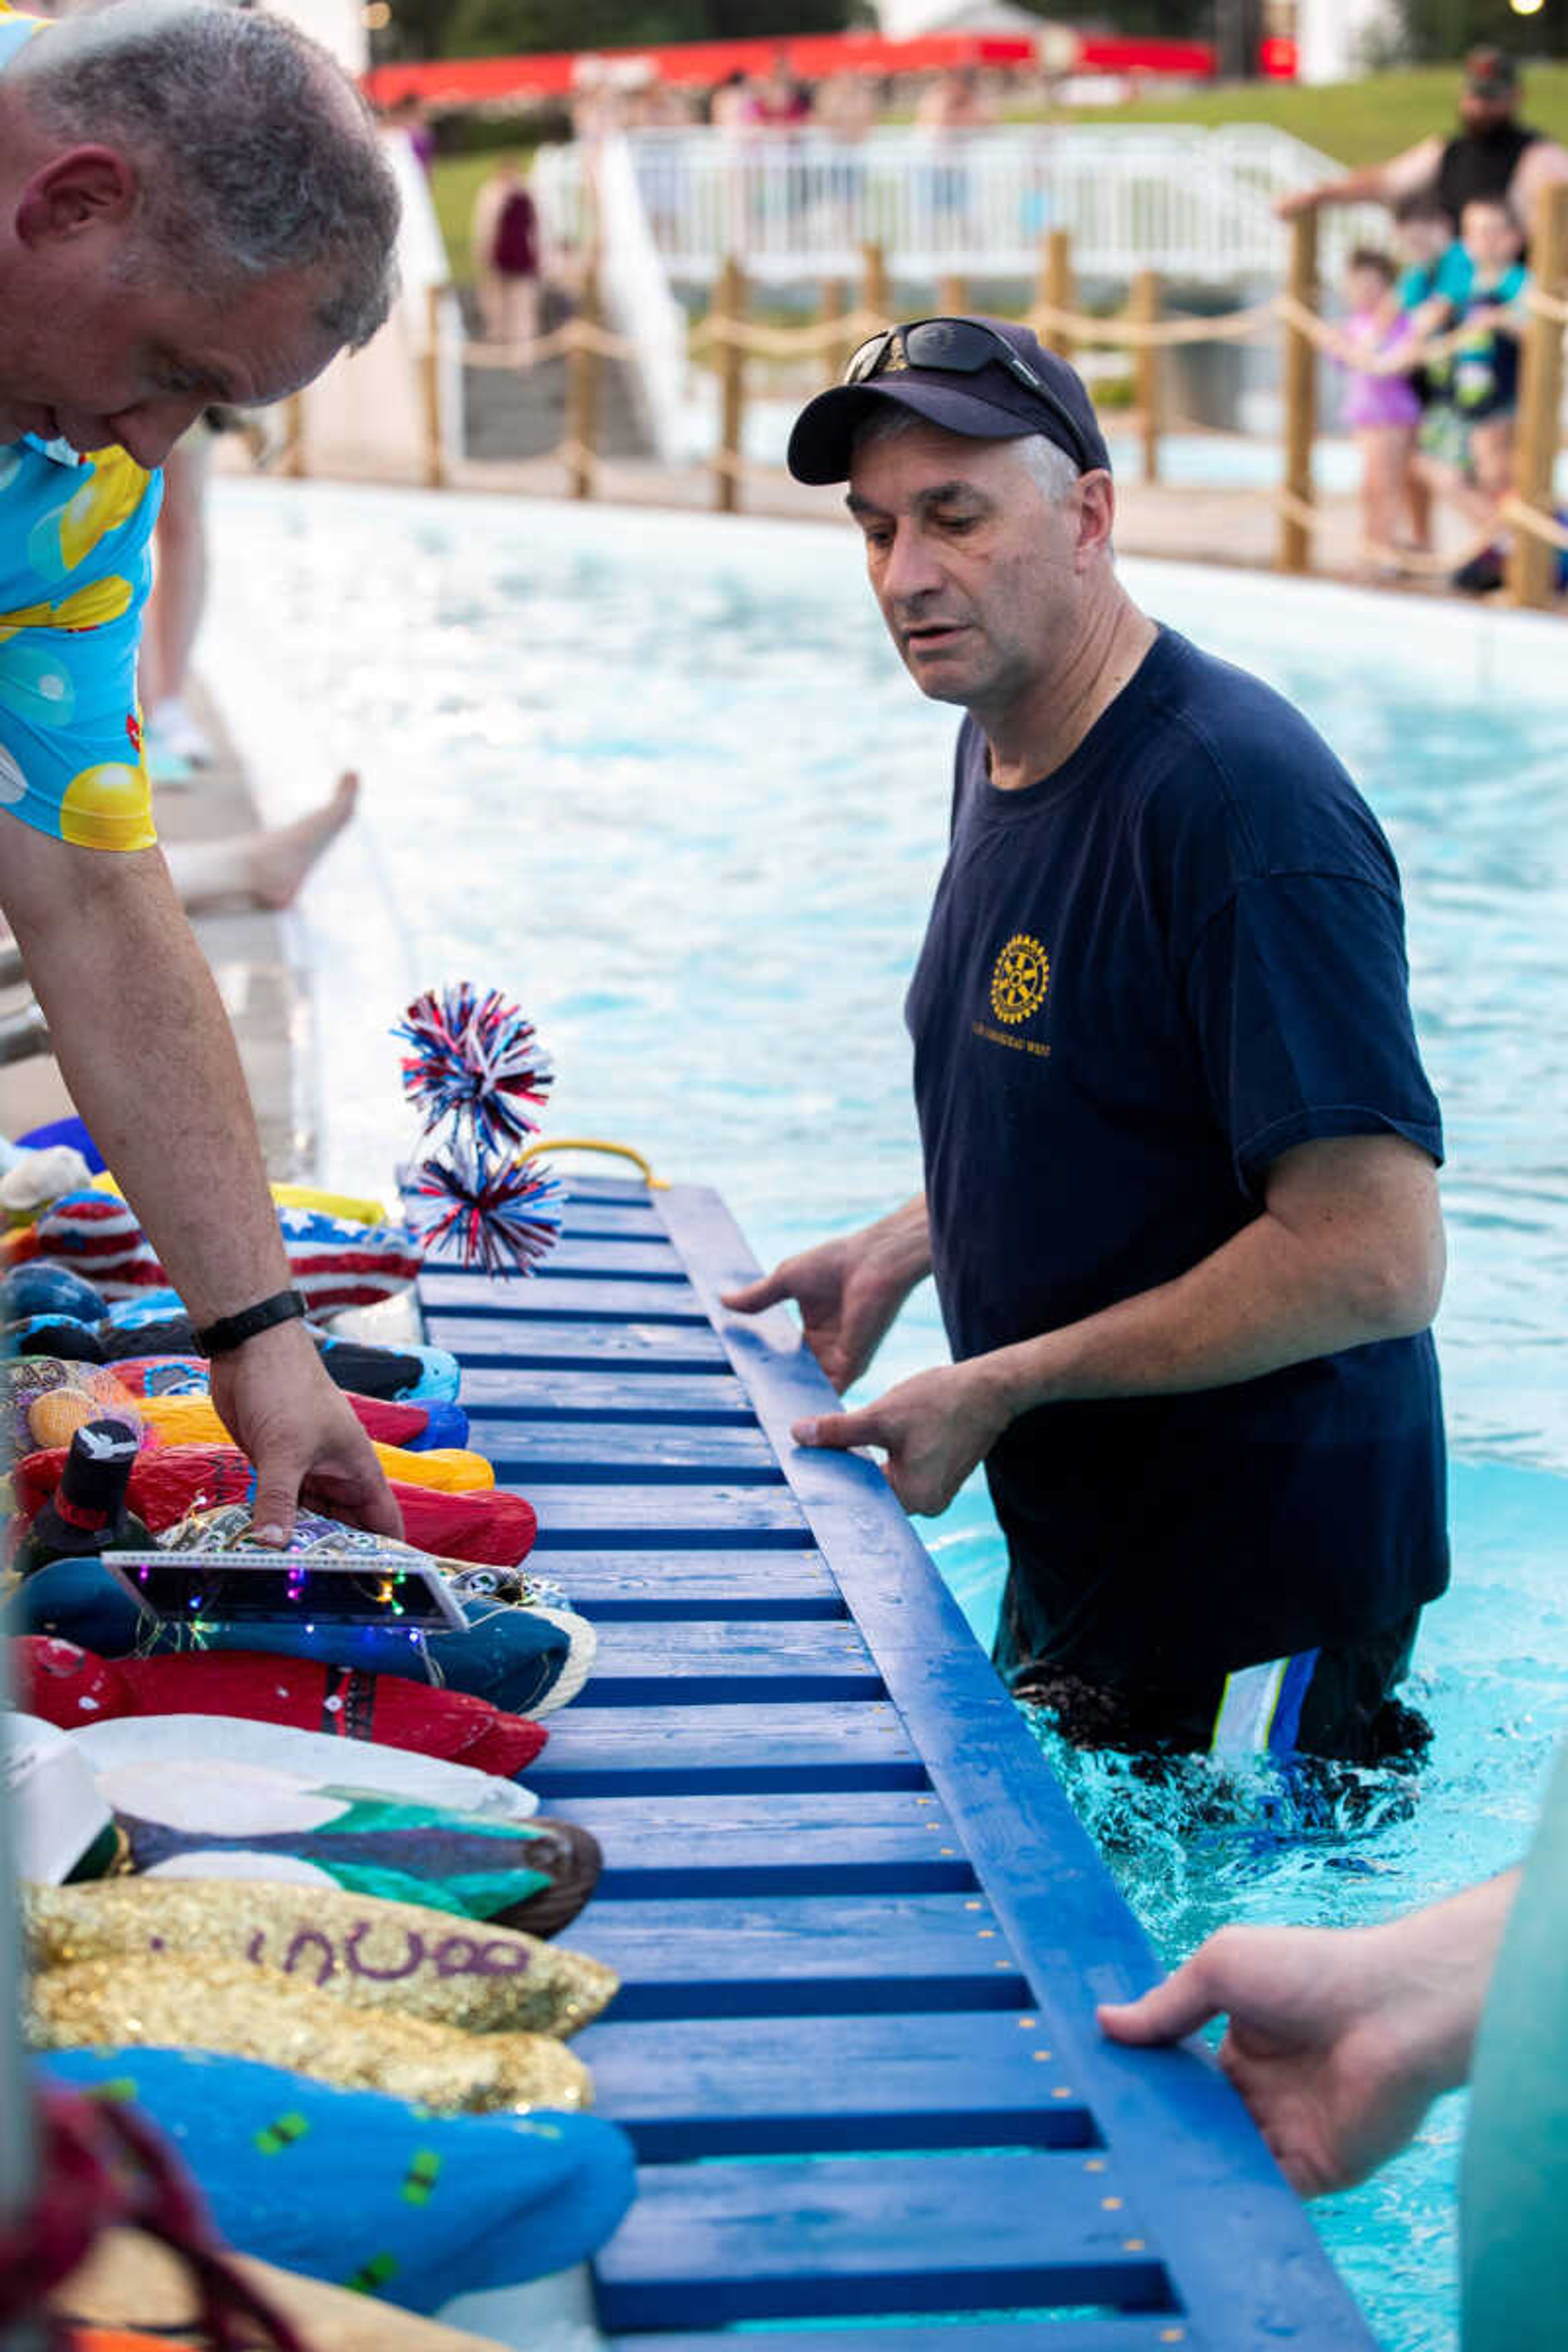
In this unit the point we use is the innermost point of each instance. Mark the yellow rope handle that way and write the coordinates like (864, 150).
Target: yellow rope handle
(553, 1143)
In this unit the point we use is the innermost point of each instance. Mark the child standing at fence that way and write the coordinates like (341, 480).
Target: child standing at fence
(1381, 404)
(1466, 438)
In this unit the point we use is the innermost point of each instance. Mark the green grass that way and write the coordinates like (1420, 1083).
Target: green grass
(1356, 121)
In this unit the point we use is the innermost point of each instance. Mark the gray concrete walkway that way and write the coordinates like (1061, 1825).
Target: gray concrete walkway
(248, 957)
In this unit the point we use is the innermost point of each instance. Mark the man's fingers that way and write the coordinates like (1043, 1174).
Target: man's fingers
(276, 1500)
(364, 1503)
(841, 1430)
(1168, 2013)
(752, 1297)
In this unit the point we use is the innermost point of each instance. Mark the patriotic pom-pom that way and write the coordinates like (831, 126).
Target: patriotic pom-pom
(500, 1216)
(474, 1059)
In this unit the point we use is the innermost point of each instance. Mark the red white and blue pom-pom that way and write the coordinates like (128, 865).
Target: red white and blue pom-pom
(476, 1061)
(498, 1215)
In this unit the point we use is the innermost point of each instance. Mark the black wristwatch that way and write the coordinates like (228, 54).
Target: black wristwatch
(232, 1332)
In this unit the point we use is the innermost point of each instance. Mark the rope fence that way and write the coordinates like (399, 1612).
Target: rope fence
(728, 341)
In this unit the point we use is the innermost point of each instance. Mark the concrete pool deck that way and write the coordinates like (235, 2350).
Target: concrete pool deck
(1179, 521)
(246, 949)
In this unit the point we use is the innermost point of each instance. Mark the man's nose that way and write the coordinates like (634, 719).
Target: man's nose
(911, 569)
(149, 430)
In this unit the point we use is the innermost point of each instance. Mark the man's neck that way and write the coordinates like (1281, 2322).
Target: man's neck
(1040, 731)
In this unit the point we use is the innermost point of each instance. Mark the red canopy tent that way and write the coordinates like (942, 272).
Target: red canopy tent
(475, 81)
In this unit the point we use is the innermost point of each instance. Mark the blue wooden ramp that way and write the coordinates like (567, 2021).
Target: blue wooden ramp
(860, 1932)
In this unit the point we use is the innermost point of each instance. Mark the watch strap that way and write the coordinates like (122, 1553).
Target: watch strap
(232, 1332)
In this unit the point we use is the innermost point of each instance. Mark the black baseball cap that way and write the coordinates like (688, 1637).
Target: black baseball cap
(991, 403)
(1490, 73)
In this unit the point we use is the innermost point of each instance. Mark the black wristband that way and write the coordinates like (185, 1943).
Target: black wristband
(232, 1332)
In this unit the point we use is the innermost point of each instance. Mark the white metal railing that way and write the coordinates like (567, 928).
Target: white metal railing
(639, 305)
(1196, 204)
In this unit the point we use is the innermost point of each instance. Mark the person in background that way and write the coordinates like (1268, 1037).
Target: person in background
(1340, 2039)
(194, 207)
(1382, 409)
(846, 112)
(1466, 439)
(409, 117)
(951, 110)
(175, 738)
(1179, 1152)
(1492, 153)
(1424, 236)
(506, 248)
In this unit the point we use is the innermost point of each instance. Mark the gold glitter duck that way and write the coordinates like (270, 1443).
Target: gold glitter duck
(357, 1949)
(254, 2012)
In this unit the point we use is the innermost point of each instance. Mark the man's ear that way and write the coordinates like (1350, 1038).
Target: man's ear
(1096, 514)
(85, 189)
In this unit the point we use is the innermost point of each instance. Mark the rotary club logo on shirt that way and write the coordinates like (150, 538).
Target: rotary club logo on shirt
(1020, 979)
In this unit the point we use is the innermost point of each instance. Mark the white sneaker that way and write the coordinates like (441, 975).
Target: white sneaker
(173, 732)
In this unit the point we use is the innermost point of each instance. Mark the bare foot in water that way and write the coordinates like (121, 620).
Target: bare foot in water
(265, 869)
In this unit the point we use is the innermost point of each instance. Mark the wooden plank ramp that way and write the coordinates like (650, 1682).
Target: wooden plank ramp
(860, 1932)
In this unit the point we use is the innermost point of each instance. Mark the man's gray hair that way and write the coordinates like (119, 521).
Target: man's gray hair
(255, 154)
(1050, 468)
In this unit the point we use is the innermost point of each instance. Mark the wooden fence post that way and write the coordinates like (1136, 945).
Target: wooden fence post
(1532, 562)
(952, 296)
(583, 390)
(430, 388)
(1144, 307)
(730, 306)
(835, 302)
(873, 281)
(1301, 390)
(1056, 287)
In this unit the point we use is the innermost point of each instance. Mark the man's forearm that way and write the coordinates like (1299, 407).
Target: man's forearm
(902, 1242)
(1265, 1299)
(148, 1054)
(1441, 1960)
(1363, 187)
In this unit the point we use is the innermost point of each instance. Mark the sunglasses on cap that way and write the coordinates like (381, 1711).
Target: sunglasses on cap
(963, 347)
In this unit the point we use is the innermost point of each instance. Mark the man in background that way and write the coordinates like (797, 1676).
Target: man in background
(1492, 153)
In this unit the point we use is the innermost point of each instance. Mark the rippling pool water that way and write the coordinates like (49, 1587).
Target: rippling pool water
(663, 779)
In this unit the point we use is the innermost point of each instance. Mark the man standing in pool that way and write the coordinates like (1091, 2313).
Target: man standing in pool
(1179, 1148)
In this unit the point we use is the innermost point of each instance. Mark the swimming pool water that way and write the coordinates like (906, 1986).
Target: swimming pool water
(662, 779)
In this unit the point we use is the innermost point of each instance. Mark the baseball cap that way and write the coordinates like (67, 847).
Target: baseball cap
(1490, 73)
(987, 402)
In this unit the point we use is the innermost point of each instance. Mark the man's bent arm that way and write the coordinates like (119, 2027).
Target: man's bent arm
(1408, 174)
(148, 1056)
(1349, 1249)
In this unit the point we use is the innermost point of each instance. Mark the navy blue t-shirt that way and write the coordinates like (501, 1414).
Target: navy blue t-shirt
(1144, 979)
